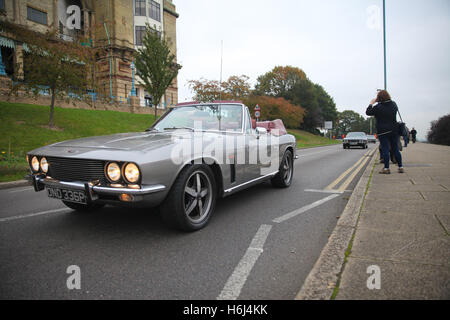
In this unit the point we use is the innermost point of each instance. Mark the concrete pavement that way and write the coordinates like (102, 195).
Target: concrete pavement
(399, 246)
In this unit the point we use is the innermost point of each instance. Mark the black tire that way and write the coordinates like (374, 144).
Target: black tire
(83, 207)
(184, 207)
(366, 146)
(345, 147)
(283, 178)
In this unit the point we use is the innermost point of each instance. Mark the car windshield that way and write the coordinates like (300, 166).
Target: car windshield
(202, 117)
(356, 135)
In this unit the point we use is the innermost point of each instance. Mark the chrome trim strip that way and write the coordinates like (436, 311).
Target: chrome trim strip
(251, 181)
(145, 189)
(142, 191)
(57, 183)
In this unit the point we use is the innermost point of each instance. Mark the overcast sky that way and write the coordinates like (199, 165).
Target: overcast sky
(338, 43)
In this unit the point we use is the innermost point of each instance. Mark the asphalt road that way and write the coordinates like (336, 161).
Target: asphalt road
(245, 252)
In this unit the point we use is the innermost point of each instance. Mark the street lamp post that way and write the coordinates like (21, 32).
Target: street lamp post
(133, 90)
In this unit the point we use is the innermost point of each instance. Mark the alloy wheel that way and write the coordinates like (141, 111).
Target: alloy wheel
(197, 196)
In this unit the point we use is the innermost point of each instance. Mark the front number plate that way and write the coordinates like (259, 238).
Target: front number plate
(67, 194)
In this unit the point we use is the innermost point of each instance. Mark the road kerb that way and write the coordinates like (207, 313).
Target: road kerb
(14, 184)
(321, 281)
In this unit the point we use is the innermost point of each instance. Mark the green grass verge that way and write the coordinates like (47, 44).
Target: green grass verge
(24, 128)
(308, 140)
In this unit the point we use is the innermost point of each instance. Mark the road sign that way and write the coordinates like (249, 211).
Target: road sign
(328, 125)
(257, 112)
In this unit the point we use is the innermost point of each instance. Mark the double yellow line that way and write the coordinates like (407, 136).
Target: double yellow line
(358, 165)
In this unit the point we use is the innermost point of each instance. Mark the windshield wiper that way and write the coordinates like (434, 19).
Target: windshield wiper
(152, 129)
(175, 128)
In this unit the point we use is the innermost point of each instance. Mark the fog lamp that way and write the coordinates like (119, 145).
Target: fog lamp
(125, 197)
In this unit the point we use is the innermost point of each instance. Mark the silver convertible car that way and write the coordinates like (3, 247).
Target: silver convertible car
(193, 154)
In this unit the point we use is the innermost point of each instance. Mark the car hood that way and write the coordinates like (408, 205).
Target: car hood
(139, 141)
(121, 147)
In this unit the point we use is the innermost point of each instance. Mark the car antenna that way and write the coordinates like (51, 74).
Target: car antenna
(221, 64)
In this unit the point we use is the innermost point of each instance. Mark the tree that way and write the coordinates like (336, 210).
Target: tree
(277, 108)
(304, 93)
(205, 90)
(440, 131)
(279, 81)
(156, 66)
(292, 84)
(326, 103)
(349, 121)
(52, 65)
(235, 88)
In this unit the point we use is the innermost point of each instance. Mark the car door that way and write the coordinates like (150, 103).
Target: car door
(252, 143)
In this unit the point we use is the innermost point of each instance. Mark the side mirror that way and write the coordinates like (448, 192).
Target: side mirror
(261, 130)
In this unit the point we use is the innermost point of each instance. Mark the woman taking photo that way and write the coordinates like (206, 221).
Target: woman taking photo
(385, 112)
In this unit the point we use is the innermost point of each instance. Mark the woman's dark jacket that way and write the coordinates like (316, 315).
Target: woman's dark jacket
(386, 115)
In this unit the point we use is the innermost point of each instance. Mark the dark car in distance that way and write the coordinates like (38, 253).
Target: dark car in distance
(355, 139)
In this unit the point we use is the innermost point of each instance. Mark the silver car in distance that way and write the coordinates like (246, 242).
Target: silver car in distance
(193, 154)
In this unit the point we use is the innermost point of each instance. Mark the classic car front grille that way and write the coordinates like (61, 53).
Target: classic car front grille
(68, 169)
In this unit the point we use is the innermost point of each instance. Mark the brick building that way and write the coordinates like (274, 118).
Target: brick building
(112, 24)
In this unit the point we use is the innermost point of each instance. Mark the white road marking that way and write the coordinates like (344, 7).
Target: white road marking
(236, 281)
(295, 213)
(23, 216)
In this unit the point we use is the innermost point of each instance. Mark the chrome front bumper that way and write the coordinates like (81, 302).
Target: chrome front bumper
(92, 191)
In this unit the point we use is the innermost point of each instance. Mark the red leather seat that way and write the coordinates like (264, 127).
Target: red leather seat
(275, 127)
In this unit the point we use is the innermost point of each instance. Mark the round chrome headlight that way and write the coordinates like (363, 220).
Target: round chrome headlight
(113, 171)
(44, 165)
(35, 164)
(131, 173)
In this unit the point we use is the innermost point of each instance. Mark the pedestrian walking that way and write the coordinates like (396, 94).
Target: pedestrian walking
(406, 137)
(385, 112)
(413, 135)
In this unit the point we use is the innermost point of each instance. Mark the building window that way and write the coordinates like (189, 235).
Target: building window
(36, 15)
(2, 5)
(155, 10)
(139, 8)
(140, 32)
